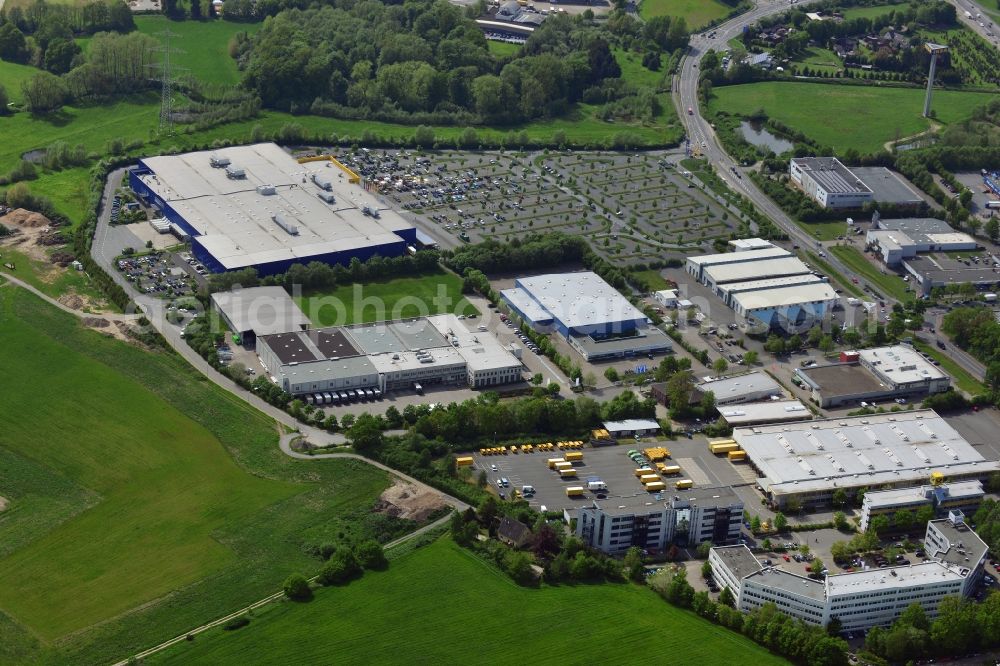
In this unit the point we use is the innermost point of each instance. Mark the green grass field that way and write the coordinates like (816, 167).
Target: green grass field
(502, 48)
(203, 45)
(137, 486)
(828, 270)
(841, 116)
(867, 12)
(889, 283)
(389, 299)
(963, 380)
(815, 56)
(50, 279)
(696, 12)
(406, 611)
(653, 278)
(12, 75)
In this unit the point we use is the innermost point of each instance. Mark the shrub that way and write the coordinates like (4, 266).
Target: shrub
(370, 555)
(340, 568)
(236, 623)
(297, 588)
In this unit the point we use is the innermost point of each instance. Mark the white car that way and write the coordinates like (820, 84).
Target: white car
(494, 468)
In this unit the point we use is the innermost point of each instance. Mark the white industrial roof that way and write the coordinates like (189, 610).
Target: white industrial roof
(785, 296)
(667, 294)
(579, 300)
(734, 257)
(769, 410)
(895, 496)
(263, 310)
(235, 223)
(408, 360)
(859, 582)
(756, 270)
(771, 283)
(901, 364)
(480, 350)
(732, 387)
(745, 244)
(520, 299)
(858, 451)
(631, 424)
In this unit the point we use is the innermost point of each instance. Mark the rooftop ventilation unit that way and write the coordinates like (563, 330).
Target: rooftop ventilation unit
(327, 197)
(285, 223)
(266, 190)
(218, 162)
(322, 182)
(233, 172)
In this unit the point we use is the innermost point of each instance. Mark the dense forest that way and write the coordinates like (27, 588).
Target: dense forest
(425, 61)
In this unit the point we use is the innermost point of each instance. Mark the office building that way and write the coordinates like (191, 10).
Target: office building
(829, 182)
(897, 240)
(963, 496)
(808, 461)
(738, 389)
(689, 517)
(862, 599)
(257, 207)
(768, 411)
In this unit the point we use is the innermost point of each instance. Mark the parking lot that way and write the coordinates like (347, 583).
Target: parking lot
(634, 207)
(159, 273)
(612, 465)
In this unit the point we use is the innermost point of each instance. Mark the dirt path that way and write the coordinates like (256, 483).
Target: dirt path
(934, 128)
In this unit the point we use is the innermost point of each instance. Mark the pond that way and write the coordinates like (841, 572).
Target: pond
(757, 135)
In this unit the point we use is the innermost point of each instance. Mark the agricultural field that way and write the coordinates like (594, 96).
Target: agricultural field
(399, 298)
(144, 500)
(697, 13)
(407, 608)
(202, 45)
(846, 116)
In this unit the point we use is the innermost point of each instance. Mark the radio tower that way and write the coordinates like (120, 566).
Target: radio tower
(166, 81)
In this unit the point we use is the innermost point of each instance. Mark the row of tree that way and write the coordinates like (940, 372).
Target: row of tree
(976, 330)
(961, 627)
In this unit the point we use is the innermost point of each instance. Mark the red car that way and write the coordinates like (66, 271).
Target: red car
(787, 559)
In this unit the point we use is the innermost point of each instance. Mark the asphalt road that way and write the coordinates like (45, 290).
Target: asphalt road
(974, 23)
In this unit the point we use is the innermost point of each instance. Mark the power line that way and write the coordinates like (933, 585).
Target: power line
(166, 71)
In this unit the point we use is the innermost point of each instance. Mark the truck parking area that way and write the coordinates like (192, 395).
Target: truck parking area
(612, 466)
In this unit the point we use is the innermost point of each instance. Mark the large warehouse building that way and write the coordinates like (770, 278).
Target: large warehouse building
(897, 372)
(833, 185)
(400, 355)
(768, 287)
(256, 206)
(594, 318)
(860, 599)
(808, 461)
(259, 311)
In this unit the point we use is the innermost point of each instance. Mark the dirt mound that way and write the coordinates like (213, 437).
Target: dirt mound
(3, 503)
(26, 218)
(72, 301)
(95, 322)
(404, 500)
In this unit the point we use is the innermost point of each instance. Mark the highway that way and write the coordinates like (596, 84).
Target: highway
(982, 26)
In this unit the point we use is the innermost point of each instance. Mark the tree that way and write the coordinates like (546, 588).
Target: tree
(517, 564)
(340, 568)
(365, 433)
(750, 358)
(196, 9)
(794, 342)
(924, 515)
(634, 567)
(816, 566)
(297, 588)
(878, 524)
(393, 419)
(703, 549)
(839, 497)
(840, 520)
(774, 345)
(611, 374)
(726, 597)
(815, 335)
(903, 520)
(914, 616)
(487, 511)
(679, 388)
(992, 228)
(13, 45)
(720, 365)
(59, 55)
(755, 524)
(840, 551)
(679, 592)
(4, 101)
(537, 379)
(44, 92)
(826, 344)
(780, 522)
(706, 570)
(371, 555)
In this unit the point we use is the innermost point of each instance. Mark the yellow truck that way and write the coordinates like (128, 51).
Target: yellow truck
(563, 465)
(574, 456)
(567, 473)
(737, 456)
(723, 446)
(554, 461)
(656, 486)
(684, 484)
(671, 469)
(656, 453)
(574, 491)
(643, 470)
(649, 478)
(463, 461)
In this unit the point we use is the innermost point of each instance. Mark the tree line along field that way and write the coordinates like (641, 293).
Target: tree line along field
(846, 116)
(143, 499)
(442, 604)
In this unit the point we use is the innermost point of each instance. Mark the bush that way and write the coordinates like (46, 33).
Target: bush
(340, 568)
(370, 555)
(297, 588)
